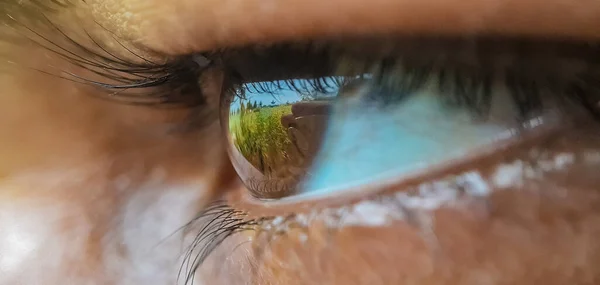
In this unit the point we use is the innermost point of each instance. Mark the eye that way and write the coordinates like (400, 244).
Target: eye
(329, 119)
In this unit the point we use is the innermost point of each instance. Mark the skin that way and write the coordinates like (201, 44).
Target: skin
(93, 192)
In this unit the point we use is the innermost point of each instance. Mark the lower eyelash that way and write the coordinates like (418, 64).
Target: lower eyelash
(216, 223)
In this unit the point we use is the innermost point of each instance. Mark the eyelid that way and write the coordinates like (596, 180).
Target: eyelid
(186, 26)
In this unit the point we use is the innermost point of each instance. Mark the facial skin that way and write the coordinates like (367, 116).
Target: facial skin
(94, 192)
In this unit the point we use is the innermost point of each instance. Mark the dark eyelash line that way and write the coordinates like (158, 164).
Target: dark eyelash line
(470, 89)
(131, 78)
(306, 88)
(268, 189)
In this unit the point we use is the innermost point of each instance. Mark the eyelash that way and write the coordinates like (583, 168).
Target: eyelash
(460, 88)
(175, 82)
(131, 78)
(216, 223)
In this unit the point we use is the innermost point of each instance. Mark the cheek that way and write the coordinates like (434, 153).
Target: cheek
(515, 236)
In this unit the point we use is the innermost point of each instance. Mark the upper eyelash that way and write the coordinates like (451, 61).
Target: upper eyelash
(467, 88)
(132, 79)
(305, 88)
(175, 81)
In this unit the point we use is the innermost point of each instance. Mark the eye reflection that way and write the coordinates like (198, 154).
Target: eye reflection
(289, 138)
(276, 134)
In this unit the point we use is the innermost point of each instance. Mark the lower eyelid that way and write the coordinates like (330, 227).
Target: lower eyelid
(527, 197)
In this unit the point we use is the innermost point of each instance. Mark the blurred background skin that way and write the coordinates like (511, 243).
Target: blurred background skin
(93, 192)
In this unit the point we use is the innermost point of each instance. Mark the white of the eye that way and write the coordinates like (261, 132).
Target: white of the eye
(367, 143)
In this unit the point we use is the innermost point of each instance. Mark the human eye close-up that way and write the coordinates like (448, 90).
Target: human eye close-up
(299, 142)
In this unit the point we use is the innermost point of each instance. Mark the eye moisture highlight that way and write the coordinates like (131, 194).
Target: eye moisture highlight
(379, 114)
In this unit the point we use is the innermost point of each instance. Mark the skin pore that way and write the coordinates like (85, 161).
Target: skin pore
(94, 191)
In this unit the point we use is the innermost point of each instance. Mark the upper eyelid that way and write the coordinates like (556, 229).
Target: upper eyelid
(148, 73)
(551, 18)
(187, 26)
